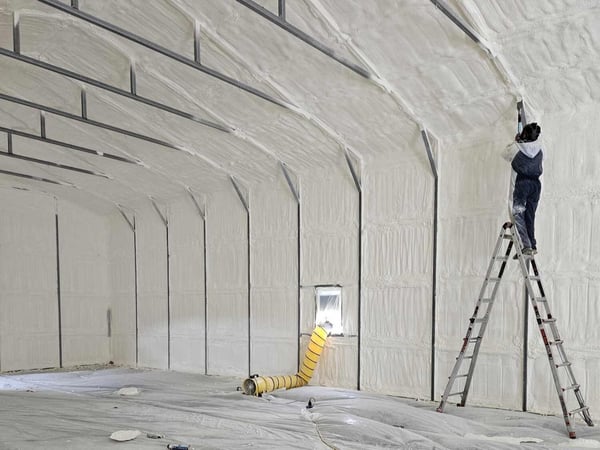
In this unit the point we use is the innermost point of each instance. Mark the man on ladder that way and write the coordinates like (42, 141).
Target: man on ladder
(525, 156)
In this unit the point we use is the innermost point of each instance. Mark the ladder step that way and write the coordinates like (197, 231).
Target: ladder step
(462, 375)
(572, 387)
(494, 279)
(455, 393)
(479, 320)
(485, 300)
(534, 278)
(549, 320)
(565, 364)
(558, 342)
(475, 339)
(578, 410)
(465, 357)
(540, 299)
(500, 258)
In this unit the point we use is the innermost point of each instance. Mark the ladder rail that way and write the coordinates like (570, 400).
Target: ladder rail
(484, 324)
(546, 322)
(472, 324)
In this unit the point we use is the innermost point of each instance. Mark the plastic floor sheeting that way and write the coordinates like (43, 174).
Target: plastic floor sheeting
(81, 409)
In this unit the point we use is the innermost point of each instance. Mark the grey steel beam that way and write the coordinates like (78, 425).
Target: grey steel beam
(521, 120)
(10, 142)
(358, 184)
(197, 42)
(32, 177)
(296, 193)
(159, 49)
(16, 33)
(135, 281)
(83, 104)
(450, 15)
(434, 171)
(288, 179)
(132, 79)
(58, 292)
(115, 90)
(78, 148)
(43, 124)
(165, 221)
(282, 23)
(129, 222)
(94, 123)
(353, 171)
(245, 202)
(281, 9)
(202, 213)
(54, 164)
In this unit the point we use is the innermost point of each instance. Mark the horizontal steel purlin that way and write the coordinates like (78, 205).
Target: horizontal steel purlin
(32, 177)
(115, 90)
(68, 145)
(160, 49)
(54, 164)
(280, 21)
(71, 116)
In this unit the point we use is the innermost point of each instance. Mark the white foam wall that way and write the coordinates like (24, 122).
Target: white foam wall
(569, 253)
(398, 249)
(274, 303)
(152, 288)
(474, 187)
(28, 300)
(227, 284)
(84, 285)
(123, 295)
(186, 267)
(329, 256)
(29, 304)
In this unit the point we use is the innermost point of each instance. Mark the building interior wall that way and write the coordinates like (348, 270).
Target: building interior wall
(108, 288)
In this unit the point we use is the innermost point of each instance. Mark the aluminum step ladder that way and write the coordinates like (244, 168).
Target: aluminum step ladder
(559, 363)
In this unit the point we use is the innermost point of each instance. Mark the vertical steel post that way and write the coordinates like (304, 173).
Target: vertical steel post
(521, 120)
(83, 104)
(296, 193)
(43, 124)
(432, 164)
(197, 41)
(357, 183)
(16, 33)
(58, 291)
(135, 282)
(245, 203)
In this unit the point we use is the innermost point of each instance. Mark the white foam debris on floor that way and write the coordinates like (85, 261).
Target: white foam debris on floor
(73, 410)
(128, 391)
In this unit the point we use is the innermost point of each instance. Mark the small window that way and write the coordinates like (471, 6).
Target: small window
(329, 309)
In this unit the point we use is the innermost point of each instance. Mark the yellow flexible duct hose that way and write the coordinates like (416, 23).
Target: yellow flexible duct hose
(259, 385)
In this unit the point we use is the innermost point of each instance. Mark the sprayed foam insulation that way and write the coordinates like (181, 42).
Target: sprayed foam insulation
(424, 70)
(123, 289)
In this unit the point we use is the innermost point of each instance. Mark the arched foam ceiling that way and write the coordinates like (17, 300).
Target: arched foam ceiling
(260, 94)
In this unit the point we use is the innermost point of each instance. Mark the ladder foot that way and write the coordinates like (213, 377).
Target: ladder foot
(440, 409)
(572, 435)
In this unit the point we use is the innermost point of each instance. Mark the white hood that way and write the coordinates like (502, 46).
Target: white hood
(531, 149)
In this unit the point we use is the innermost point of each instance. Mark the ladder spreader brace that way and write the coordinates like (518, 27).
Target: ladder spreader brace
(545, 320)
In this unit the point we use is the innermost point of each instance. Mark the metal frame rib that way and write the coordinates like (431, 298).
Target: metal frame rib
(113, 89)
(159, 49)
(280, 21)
